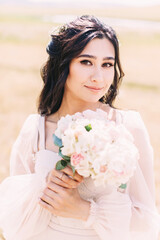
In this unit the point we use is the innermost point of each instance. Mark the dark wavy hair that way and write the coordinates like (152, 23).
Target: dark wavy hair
(66, 45)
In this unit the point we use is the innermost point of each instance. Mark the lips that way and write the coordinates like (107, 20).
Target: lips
(94, 88)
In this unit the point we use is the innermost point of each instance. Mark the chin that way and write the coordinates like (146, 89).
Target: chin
(91, 100)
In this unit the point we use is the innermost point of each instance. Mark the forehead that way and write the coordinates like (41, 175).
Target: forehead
(99, 47)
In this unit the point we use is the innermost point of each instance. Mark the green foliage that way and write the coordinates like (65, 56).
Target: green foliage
(88, 127)
(73, 168)
(61, 164)
(57, 141)
(66, 158)
(123, 186)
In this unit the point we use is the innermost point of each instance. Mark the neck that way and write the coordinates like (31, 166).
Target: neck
(71, 107)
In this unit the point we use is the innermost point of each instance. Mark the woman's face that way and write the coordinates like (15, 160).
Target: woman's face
(92, 72)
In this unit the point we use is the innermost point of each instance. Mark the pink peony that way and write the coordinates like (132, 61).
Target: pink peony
(94, 148)
(118, 173)
(76, 158)
(103, 168)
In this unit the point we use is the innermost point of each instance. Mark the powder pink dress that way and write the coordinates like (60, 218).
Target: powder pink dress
(113, 215)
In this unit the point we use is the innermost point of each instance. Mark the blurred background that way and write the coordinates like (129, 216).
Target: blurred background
(25, 28)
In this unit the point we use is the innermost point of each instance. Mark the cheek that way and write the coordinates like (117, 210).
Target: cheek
(73, 80)
(109, 77)
(76, 76)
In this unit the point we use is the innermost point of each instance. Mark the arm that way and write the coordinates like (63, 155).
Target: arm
(145, 221)
(21, 159)
(21, 217)
(131, 215)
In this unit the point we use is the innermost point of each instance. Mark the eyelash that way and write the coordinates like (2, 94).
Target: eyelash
(85, 62)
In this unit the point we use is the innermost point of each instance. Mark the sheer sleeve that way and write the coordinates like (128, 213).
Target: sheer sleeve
(131, 215)
(145, 221)
(20, 214)
(22, 154)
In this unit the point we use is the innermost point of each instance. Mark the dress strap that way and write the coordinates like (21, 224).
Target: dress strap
(41, 133)
(119, 116)
(110, 114)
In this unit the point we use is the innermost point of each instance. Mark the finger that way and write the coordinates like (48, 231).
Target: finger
(65, 178)
(49, 200)
(61, 183)
(46, 205)
(48, 192)
(69, 172)
(54, 187)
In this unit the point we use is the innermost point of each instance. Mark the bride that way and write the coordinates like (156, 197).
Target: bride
(38, 202)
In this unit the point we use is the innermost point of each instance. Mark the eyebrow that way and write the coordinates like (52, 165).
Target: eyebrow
(91, 56)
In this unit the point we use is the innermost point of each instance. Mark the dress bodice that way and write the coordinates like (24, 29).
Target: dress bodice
(45, 161)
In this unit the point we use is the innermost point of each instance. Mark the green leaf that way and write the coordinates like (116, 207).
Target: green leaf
(67, 158)
(88, 127)
(61, 164)
(123, 186)
(57, 141)
(73, 168)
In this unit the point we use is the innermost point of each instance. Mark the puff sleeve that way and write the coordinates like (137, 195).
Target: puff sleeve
(131, 215)
(20, 214)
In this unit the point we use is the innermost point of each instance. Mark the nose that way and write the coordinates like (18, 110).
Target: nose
(97, 75)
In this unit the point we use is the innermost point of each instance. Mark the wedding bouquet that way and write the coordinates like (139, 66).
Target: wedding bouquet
(95, 146)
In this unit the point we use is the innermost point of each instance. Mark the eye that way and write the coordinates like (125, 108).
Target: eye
(107, 65)
(86, 62)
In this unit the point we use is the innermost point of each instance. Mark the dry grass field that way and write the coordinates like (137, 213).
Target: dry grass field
(23, 38)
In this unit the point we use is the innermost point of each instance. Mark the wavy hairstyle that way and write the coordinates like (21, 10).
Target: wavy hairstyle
(66, 45)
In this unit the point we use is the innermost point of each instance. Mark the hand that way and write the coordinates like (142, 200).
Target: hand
(65, 178)
(61, 196)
